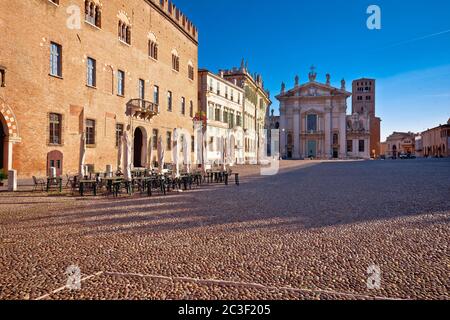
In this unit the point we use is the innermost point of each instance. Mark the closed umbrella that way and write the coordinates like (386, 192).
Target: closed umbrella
(224, 153)
(150, 154)
(120, 155)
(187, 155)
(161, 154)
(82, 172)
(127, 156)
(175, 153)
(205, 154)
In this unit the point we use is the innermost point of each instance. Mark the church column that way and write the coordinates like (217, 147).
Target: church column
(327, 147)
(296, 154)
(342, 135)
(283, 130)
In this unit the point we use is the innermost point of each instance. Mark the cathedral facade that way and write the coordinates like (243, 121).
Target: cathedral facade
(313, 121)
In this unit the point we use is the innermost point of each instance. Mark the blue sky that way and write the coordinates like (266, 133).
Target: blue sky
(409, 56)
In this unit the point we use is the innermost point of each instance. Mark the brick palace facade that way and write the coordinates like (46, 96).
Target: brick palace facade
(97, 68)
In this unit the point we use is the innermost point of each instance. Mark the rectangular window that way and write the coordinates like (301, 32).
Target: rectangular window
(211, 85)
(120, 83)
(91, 72)
(349, 146)
(119, 133)
(183, 106)
(191, 72)
(192, 144)
(55, 59)
(156, 95)
(169, 140)
(218, 88)
(191, 109)
(2, 77)
(362, 146)
(90, 132)
(311, 122)
(217, 115)
(169, 101)
(55, 128)
(141, 89)
(155, 139)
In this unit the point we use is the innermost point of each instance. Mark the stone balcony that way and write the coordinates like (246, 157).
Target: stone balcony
(142, 109)
(313, 133)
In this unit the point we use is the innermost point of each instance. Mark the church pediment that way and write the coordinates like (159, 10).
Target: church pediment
(314, 89)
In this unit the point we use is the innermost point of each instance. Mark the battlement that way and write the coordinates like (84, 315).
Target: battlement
(175, 14)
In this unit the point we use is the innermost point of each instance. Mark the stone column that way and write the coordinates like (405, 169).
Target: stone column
(10, 155)
(283, 130)
(327, 147)
(355, 147)
(296, 152)
(342, 134)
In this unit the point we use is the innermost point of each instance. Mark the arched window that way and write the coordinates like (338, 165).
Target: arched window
(93, 13)
(335, 139)
(124, 32)
(175, 61)
(152, 46)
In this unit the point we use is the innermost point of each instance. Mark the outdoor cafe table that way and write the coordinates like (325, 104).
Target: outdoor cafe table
(83, 183)
(110, 181)
(54, 181)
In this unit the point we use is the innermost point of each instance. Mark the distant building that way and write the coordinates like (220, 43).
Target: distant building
(363, 103)
(436, 141)
(313, 119)
(419, 146)
(223, 104)
(400, 143)
(256, 104)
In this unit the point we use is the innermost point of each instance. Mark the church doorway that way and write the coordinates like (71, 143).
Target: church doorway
(137, 147)
(394, 152)
(335, 153)
(312, 149)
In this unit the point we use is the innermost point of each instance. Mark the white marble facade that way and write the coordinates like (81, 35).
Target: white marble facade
(313, 120)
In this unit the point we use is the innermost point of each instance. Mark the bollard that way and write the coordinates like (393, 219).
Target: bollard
(12, 180)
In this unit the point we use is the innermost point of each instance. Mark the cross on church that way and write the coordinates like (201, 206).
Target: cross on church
(313, 68)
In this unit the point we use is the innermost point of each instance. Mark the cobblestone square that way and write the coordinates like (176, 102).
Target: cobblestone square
(309, 232)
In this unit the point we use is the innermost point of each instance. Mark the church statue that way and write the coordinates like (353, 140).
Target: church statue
(283, 87)
(343, 84)
(312, 75)
(297, 79)
(328, 79)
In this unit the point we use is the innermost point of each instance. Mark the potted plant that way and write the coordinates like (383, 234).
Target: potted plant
(3, 176)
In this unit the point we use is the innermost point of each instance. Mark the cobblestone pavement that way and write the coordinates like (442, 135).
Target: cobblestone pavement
(309, 232)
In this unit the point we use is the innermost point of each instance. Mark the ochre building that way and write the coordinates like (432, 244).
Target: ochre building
(93, 68)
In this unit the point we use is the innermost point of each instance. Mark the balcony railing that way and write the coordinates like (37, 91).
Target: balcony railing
(142, 109)
(313, 132)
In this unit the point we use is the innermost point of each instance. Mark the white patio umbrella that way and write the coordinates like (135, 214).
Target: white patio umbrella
(161, 154)
(205, 154)
(127, 156)
(120, 155)
(150, 154)
(187, 155)
(224, 153)
(175, 153)
(82, 172)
